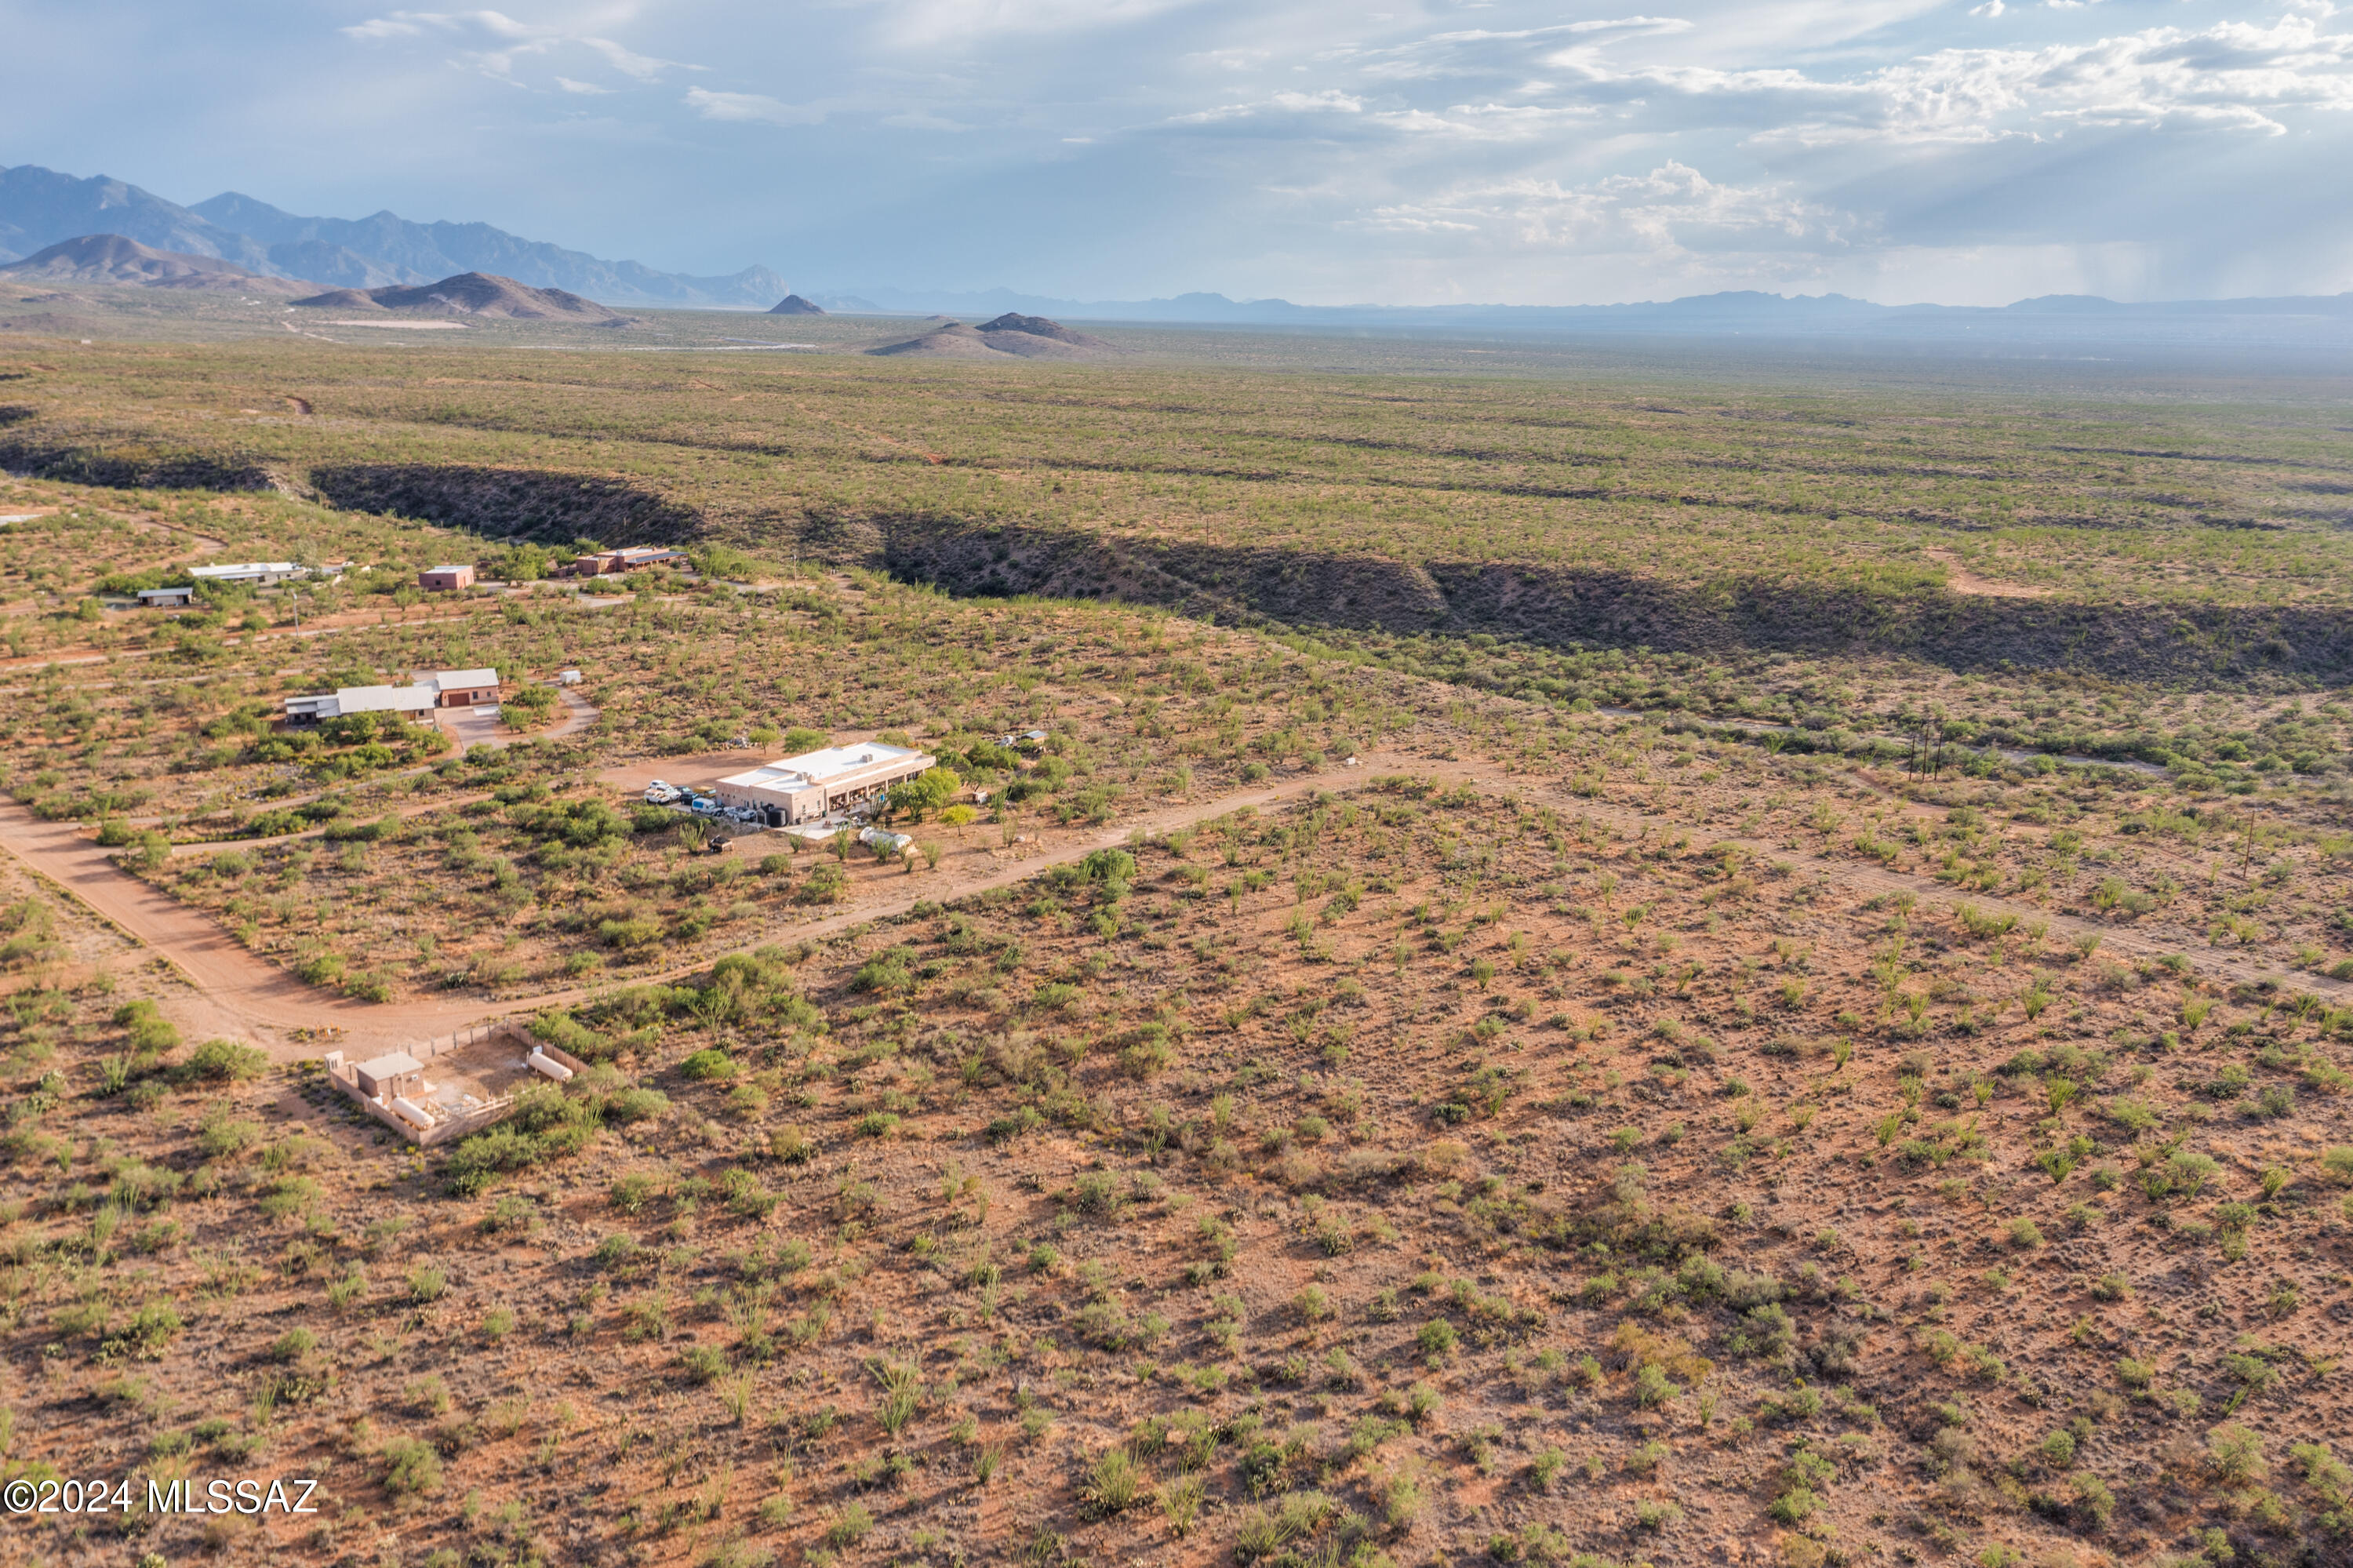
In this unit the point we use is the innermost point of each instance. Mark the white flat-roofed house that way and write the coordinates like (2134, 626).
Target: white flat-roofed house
(407, 700)
(262, 573)
(818, 783)
(461, 688)
(166, 597)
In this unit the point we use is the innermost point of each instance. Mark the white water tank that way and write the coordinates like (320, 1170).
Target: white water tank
(409, 1111)
(544, 1062)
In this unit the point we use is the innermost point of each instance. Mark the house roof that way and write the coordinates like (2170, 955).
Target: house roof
(455, 680)
(452, 566)
(827, 766)
(383, 699)
(250, 569)
(392, 1065)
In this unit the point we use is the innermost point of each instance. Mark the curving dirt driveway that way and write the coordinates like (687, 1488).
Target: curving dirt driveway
(236, 992)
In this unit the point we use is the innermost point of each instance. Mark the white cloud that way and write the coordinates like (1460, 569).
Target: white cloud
(1488, 122)
(413, 23)
(1549, 149)
(2233, 75)
(1670, 212)
(1330, 100)
(645, 67)
(925, 22)
(385, 27)
(1632, 24)
(1500, 52)
(501, 41)
(750, 108)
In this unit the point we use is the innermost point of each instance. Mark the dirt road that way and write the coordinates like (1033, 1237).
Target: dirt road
(241, 993)
(237, 993)
(1481, 774)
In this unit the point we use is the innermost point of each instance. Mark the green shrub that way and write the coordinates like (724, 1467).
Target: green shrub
(848, 1527)
(1113, 1484)
(145, 1337)
(638, 931)
(708, 1064)
(411, 1467)
(226, 1059)
(2236, 1454)
(321, 968)
(151, 1033)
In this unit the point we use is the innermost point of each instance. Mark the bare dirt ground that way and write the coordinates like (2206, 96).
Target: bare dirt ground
(471, 726)
(1960, 580)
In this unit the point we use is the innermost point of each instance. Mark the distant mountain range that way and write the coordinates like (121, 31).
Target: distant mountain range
(39, 207)
(2310, 320)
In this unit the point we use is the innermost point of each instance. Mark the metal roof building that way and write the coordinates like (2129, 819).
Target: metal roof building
(410, 700)
(262, 572)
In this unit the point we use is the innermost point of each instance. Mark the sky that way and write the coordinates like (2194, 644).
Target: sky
(1971, 152)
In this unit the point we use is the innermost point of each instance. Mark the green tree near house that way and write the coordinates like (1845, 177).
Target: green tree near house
(927, 791)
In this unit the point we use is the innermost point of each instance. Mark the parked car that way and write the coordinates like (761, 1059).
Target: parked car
(660, 794)
(704, 806)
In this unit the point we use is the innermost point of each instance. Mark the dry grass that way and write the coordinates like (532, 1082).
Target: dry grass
(1461, 1160)
(1685, 1105)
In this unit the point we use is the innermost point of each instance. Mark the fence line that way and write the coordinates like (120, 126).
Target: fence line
(454, 1125)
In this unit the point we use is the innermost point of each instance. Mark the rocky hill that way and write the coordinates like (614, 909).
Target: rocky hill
(112, 258)
(1020, 337)
(472, 294)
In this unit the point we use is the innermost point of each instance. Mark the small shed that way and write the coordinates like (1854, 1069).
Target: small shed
(390, 1078)
(446, 578)
(166, 597)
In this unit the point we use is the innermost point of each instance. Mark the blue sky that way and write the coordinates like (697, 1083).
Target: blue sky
(1424, 152)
